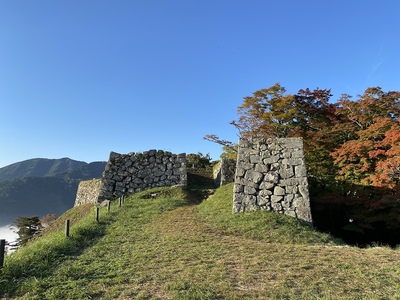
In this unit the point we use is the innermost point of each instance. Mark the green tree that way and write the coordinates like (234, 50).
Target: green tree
(198, 160)
(229, 152)
(229, 148)
(27, 227)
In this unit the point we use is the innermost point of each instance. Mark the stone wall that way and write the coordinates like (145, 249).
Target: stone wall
(88, 192)
(224, 171)
(271, 175)
(133, 172)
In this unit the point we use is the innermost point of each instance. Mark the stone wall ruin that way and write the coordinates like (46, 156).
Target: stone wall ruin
(88, 192)
(224, 171)
(271, 175)
(134, 172)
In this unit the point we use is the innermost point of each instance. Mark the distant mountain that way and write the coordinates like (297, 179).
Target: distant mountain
(88, 171)
(39, 167)
(42, 186)
(33, 196)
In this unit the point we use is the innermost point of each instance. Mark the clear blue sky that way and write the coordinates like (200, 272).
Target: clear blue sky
(82, 78)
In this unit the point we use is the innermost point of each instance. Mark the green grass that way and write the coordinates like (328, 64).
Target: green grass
(170, 247)
(259, 225)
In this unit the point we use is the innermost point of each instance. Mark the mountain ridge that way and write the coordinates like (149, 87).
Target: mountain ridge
(39, 167)
(42, 186)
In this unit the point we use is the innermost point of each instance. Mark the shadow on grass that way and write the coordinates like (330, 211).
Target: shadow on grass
(197, 196)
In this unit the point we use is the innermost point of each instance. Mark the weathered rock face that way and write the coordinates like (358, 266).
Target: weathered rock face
(224, 171)
(133, 172)
(88, 192)
(271, 175)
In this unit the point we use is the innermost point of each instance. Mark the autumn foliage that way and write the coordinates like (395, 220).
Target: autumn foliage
(352, 147)
(356, 141)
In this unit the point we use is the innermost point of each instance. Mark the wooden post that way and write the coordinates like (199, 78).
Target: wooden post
(66, 228)
(108, 205)
(120, 201)
(97, 213)
(123, 199)
(2, 252)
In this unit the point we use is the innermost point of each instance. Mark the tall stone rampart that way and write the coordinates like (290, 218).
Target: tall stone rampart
(133, 172)
(271, 175)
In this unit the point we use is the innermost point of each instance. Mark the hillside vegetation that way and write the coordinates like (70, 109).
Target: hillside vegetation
(165, 243)
(42, 186)
(39, 167)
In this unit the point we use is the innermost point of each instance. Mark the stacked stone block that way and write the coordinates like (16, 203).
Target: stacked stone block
(224, 171)
(133, 172)
(88, 192)
(271, 175)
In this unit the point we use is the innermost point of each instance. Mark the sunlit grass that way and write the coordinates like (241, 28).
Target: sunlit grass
(259, 225)
(167, 247)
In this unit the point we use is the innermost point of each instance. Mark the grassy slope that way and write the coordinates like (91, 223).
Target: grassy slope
(170, 248)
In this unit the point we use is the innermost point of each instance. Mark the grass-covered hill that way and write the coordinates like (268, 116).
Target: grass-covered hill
(172, 246)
